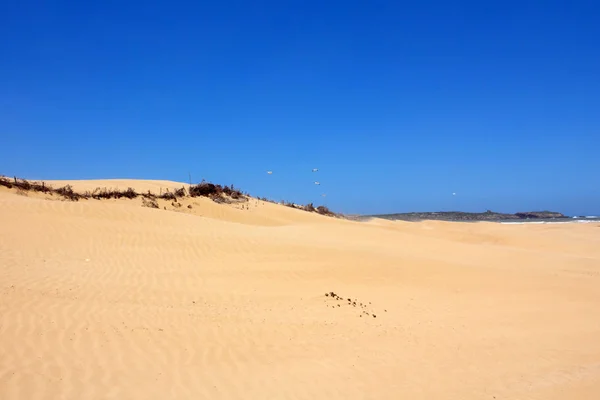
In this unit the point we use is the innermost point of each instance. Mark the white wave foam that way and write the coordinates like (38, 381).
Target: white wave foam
(579, 221)
(523, 223)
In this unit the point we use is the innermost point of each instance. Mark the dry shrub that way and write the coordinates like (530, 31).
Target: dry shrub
(309, 207)
(104, 193)
(220, 200)
(23, 184)
(325, 211)
(99, 193)
(68, 193)
(266, 200)
(130, 193)
(168, 196)
(41, 187)
(206, 189)
(150, 203)
(232, 192)
(4, 181)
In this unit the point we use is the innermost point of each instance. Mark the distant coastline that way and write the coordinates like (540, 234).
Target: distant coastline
(457, 216)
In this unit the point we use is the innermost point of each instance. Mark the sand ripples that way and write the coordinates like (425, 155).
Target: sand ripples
(115, 301)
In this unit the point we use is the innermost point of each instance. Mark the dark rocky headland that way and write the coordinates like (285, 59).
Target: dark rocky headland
(466, 216)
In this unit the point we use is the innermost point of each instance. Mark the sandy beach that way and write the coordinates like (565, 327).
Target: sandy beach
(111, 300)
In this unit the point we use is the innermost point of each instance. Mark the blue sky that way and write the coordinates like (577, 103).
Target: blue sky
(398, 104)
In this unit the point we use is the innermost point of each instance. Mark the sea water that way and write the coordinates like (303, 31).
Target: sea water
(571, 220)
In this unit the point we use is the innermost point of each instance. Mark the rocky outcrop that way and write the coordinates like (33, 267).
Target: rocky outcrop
(539, 214)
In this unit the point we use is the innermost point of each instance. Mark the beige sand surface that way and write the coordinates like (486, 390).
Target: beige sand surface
(111, 300)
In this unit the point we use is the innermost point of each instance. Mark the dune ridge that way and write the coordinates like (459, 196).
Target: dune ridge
(108, 299)
(168, 193)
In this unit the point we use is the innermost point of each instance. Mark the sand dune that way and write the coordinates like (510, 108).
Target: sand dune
(111, 300)
(140, 185)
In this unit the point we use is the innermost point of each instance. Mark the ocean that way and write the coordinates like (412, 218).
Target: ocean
(570, 220)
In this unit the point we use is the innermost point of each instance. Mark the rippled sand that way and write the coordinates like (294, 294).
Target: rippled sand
(111, 300)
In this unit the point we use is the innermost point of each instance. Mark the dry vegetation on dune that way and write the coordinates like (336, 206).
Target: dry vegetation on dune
(320, 209)
(323, 210)
(218, 193)
(203, 189)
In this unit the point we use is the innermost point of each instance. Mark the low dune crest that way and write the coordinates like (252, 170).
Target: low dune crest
(153, 194)
(108, 299)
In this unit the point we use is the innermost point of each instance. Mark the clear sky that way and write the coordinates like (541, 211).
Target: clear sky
(399, 104)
